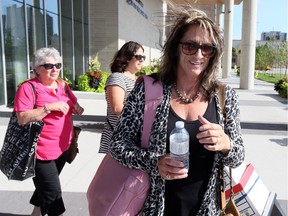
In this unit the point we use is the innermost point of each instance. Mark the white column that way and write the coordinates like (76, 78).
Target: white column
(218, 18)
(228, 29)
(248, 44)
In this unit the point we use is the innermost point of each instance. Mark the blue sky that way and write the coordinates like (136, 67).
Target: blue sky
(271, 16)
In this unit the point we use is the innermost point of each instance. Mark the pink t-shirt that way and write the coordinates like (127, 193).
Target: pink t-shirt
(57, 132)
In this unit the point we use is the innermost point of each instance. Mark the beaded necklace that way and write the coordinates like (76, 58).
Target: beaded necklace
(183, 98)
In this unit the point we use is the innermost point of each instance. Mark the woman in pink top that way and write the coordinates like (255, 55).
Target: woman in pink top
(55, 106)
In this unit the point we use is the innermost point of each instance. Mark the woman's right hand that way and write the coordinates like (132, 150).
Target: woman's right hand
(171, 169)
(58, 106)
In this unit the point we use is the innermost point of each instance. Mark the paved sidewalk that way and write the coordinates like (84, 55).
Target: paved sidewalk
(264, 125)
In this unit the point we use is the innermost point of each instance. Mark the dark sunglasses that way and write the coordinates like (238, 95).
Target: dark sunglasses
(139, 57)
(50, 66)
(190, 48)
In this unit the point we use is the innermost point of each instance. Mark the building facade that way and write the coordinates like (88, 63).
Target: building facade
(79, 29)
(274, 35)
(28, 25)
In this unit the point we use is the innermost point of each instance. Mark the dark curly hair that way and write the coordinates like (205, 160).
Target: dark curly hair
(124, 55)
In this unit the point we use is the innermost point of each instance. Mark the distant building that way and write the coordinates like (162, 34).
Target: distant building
(275, 35)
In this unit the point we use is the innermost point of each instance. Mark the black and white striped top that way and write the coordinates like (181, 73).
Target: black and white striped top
(125, 83)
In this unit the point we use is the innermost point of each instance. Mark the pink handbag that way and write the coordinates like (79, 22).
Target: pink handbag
(118, 190)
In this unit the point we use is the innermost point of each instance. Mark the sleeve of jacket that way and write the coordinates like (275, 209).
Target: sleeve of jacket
(232, 128)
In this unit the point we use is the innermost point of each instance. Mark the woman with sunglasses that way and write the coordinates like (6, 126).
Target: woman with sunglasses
(55, 105)
(188, 71)
(126, 63)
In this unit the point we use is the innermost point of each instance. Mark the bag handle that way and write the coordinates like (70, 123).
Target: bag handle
(221, 96)
(35, 94)
(153, 97)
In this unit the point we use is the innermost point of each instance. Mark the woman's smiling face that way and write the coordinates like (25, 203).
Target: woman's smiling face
(194, 64)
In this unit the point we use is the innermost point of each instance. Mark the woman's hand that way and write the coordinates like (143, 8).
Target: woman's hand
(78, 110)
(171, 169)
(58, 106)
(213, 137)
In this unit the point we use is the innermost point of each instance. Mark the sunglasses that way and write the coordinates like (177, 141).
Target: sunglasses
(139, 57)
(50, 66)
(190, 48)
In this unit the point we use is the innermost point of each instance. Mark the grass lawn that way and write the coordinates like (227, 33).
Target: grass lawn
(270, 77)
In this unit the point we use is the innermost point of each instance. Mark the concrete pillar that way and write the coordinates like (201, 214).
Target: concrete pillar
(218, 18)
(228, 29)
(248, 44)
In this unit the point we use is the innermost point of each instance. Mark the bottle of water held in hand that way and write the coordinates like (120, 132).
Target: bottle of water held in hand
(179, 144)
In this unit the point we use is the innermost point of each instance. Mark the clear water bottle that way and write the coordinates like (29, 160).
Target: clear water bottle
(179, 144)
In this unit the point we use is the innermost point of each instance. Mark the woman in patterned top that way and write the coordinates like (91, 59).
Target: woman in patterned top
(188, 71)
(126, 62)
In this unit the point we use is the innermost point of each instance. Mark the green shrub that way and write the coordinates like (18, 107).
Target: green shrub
(68, 81)
(238, 71)
(144, 70)
(101, 87)
(93, 81)
(147, 70)
(281, 87)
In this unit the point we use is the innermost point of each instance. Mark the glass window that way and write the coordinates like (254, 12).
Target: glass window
(36, 27)
(2, 84)
(14, 45)
(67, 39)
(86, 35)
(78, 37)
(42, 28)
(52, 20)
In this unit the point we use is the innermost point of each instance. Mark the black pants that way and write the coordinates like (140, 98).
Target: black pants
(48, 194)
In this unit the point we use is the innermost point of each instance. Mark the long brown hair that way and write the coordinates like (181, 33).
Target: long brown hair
(182, 17)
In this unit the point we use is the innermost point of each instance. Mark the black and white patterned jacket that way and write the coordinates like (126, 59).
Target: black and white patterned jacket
(125, 146)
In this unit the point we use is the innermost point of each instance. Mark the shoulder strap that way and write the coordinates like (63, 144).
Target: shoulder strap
(63, 84)
(35, 94)
(153, 97)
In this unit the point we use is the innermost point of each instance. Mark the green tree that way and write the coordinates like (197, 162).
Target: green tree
(263, 58)
(283, 55)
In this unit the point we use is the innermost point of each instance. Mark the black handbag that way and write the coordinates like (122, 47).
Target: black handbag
(17, 156)
(73, 149)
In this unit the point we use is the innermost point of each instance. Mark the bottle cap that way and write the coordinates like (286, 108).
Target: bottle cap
(179, 124)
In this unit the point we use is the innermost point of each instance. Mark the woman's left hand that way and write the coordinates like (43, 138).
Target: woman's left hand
(170, 169)
(78, 109)
(212, 136)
